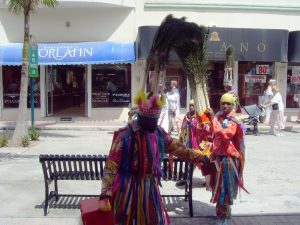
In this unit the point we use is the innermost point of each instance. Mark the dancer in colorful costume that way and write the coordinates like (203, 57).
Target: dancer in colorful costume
(133, 169)
(190, 128)
(228, 153)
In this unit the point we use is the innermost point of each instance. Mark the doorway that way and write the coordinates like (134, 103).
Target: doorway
(66, 90)
(215, 83)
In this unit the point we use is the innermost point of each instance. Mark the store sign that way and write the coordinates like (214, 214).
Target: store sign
(255, 78)
(295, 70)
(295, 79)
(11, 100)
(262, 69)
(33, 59)
(103, 99)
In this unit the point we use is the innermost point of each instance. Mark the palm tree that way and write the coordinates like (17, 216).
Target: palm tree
(189, 42)
(27, 7)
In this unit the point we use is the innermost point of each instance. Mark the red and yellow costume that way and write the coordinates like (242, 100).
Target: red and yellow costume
(229, 151)
(189, 135)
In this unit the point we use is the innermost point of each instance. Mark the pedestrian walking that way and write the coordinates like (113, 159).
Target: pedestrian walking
(277, 113)
(268, 94)
(173, 102)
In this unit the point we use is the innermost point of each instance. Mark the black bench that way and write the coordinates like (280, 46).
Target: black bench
(90, 167)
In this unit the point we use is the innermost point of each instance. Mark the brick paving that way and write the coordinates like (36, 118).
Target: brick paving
(293, 219)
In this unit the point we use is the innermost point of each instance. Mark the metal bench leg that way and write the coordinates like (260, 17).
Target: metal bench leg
(46, 199)
(191, 207)
(255, 127)
(186, 191)
(56, 190)
(190, 196)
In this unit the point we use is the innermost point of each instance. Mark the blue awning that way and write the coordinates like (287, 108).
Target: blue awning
(72, 53)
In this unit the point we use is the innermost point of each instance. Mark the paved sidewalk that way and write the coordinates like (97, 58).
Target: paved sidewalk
(238, 220)
(242, 220)
(109, 125)
(274, 198)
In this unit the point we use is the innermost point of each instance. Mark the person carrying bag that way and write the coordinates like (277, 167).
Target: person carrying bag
(277, 115)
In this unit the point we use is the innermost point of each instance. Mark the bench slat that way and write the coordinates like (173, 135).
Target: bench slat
(88, 167)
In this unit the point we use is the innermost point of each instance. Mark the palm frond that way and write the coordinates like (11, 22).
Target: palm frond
(48, 3)
(18, 6)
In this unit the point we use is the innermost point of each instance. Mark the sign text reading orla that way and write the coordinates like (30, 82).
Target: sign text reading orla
(59, 53)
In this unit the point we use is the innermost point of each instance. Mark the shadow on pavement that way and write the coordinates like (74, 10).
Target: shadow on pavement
(57, 135)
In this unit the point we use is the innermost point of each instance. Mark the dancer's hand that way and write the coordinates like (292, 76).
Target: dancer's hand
(210, 113)
(104, 202)
(104, 205)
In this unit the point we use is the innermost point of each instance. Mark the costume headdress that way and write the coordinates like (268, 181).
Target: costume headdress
(149, 105)
(192, 102)
(228, 98)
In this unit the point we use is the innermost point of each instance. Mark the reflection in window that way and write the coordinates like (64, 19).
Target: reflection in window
(111, 85)
(252, 81)
(11, 87)
(293, 87)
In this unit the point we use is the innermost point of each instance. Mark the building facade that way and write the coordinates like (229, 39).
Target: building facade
(92, 53)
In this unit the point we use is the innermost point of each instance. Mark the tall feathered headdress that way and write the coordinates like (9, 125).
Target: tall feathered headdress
(149, 105)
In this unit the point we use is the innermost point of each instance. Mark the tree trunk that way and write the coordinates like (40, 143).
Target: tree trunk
(21, 129)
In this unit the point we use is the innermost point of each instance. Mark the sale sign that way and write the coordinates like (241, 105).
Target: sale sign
(262, 69)
(295, 79)
(295, 70)
(255, 78)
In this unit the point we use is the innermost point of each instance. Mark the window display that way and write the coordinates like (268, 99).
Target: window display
(253, 79)
(111, 85)
(11, 87)
(293, 87)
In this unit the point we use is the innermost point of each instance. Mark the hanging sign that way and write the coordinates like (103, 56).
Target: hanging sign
(33, 59)
(262, 69)
(295, 79)
(255, 78)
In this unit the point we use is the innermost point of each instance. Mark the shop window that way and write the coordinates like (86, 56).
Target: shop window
(11, 88)
(111, 85)
(293, 87)
(174, 74)
(252, 81)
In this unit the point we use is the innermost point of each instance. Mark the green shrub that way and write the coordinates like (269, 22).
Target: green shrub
(25, 141)
(4, 139)
(34, 134)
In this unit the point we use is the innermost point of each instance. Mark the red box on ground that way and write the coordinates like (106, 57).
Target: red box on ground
(91, 215)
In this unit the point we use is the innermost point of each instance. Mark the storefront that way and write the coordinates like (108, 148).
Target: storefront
(76, 79)
(293, 75)
(257, 52)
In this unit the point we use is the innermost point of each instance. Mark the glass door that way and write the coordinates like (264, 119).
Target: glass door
(49, 90)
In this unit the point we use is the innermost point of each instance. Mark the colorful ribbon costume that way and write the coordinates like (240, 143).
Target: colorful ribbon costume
(228, 147)
(133, 170)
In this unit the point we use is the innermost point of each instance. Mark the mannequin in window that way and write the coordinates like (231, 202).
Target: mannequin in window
(111, 88)
(296, 99)
(75, 91)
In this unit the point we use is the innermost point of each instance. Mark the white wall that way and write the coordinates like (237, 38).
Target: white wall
(89, 24)
(227, 19)
(279, 14)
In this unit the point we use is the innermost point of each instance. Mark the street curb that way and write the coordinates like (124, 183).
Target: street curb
(261, 128)
(83, 128)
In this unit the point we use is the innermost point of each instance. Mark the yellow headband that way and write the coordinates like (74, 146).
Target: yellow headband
(227, 98)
